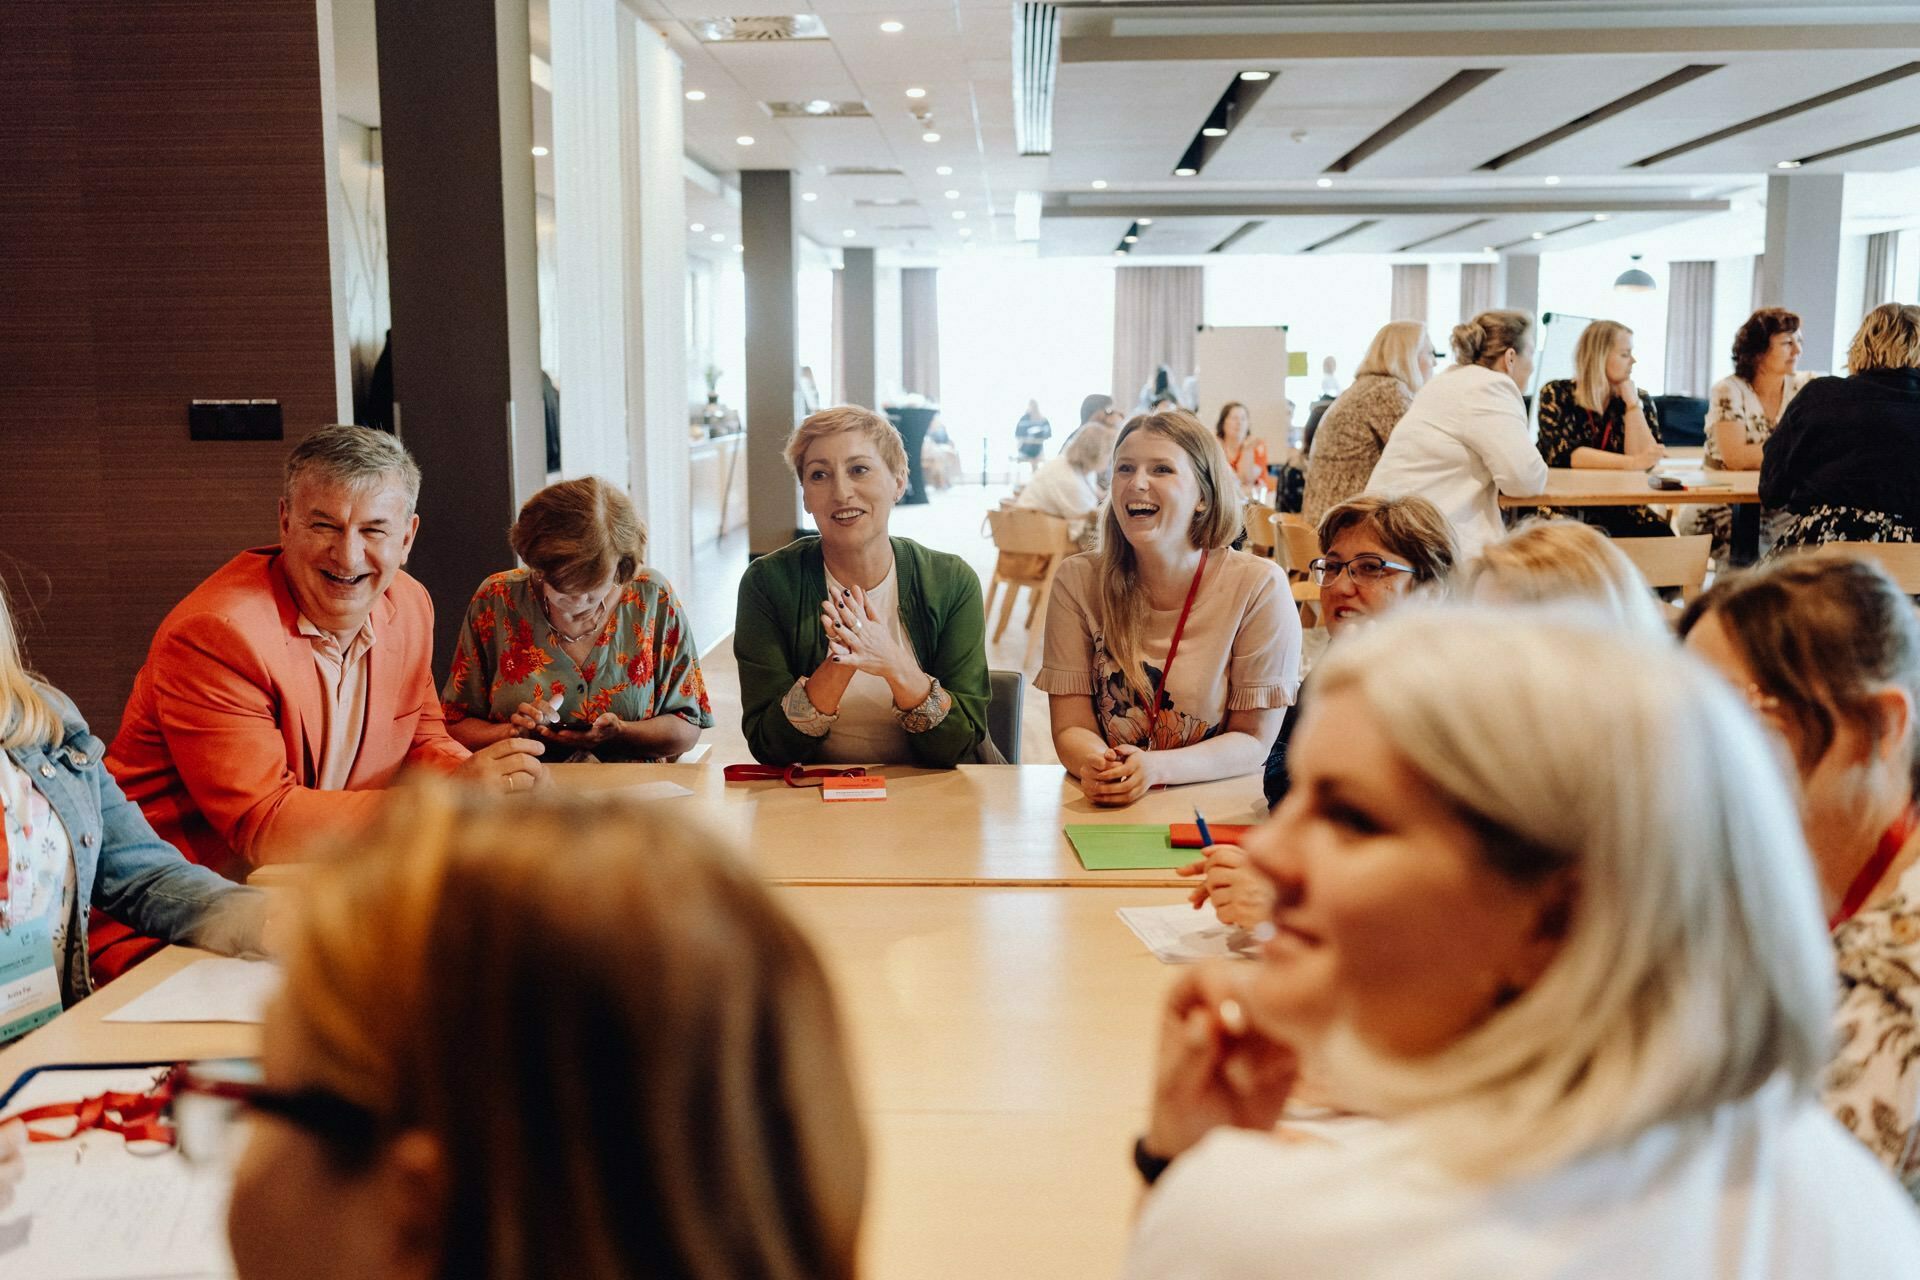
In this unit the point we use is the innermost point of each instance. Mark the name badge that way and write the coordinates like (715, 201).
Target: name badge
(29, 986)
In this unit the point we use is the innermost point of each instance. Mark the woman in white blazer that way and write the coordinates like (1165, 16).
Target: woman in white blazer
(1465, 440)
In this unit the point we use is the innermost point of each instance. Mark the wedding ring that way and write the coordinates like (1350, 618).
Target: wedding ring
(513, 781)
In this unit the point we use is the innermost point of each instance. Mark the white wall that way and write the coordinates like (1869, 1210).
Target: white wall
(1851, 288)
(886, 335)
(1580, 282)
(815, 289)
(1331, 305)
(1732, 304)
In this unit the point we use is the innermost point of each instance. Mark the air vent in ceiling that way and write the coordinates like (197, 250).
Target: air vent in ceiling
(1036, 62)
(863, 171)
(798, 26)
(816, 109)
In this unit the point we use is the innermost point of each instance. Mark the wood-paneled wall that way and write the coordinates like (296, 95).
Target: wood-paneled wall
(163, 237)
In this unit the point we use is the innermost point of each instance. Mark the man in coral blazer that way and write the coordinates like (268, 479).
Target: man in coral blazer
(287, 690)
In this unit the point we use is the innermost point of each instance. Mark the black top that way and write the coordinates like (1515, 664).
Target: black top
(1565, 426)
(1848, 442)
(1277, 777)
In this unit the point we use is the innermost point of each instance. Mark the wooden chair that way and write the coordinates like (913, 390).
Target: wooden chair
(1032, 546)
(1297, 546)
(1901, 560)
(1671, 562)
(1261, 537)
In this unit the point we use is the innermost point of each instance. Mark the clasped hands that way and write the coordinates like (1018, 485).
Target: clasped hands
(1119, 776)
(858, 638)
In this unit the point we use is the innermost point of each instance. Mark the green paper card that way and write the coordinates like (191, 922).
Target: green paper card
(1119, 847)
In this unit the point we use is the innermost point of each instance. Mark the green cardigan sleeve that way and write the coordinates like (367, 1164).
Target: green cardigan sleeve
(765, 626)
(958, 662)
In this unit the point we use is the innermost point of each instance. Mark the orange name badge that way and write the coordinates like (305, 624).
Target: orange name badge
(868, 788)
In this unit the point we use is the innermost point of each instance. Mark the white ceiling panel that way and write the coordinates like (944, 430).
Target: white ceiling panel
(786, 71)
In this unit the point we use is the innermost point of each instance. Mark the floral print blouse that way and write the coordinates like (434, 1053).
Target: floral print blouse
(1873, 1083)
(644, 663)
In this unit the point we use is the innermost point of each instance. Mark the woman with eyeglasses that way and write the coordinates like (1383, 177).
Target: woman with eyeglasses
(1377, 552)
(498, 1064)
(1170, 657)
(1538, 919)
(585, 648)
(1827, 651)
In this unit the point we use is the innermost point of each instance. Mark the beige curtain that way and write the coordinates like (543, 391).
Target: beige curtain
(1410, 292)
(1156, 311)
(1477, 289)
(920, 331)
(1880, 253)
(1689, 328)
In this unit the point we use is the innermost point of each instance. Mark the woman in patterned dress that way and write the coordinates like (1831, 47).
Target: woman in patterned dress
(1743, 411)
(584, 648)
(1354, 429)
(1598, 420)
(1827, 651)
(1845, 459)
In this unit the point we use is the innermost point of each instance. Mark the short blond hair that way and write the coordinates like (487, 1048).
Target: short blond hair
(1889, 338)
(1395, 353)
(577, 533)
(849, 417)
(1561, 561)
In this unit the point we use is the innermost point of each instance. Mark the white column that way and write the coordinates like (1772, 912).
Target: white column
(1520, 283)
(1802, 268)
(654, 177)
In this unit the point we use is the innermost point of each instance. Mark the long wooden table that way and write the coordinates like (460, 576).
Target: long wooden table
(1003, 1039)
(1581, 487)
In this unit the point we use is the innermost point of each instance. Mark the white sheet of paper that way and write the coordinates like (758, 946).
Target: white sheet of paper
(90, 1210)
(216, 990)
(650, 791)
(1178, 934)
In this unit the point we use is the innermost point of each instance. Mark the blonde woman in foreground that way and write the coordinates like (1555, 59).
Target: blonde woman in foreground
(1565, 561)
(1536, 914)
(564, 1038)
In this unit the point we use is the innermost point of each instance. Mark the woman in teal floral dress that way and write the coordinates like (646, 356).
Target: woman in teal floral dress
(584, 648)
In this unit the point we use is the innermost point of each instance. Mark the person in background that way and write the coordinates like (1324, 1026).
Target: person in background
(1246, 453)
(1566, 561)
(1845, 459)
(1464, 440)
(854, 646)
(1354, 430)
(1598, 420)
(287, 691)
(1168, 657)
(1379, 552)
(585, 647)
(1826, 650)
(1073, 485)
(1741, 415)
(1031, 434)
(434, 1103)
(70, 841)
(1330, 378)
(1538, 918)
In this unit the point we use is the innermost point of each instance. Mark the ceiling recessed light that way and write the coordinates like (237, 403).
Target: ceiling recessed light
(1213, 131)
(1131, 239)
(809, 196)
(1324, 183)
(739, 248)
(1145, 222)
(698, 227)
(1552, 179)
(1256, 75)
(696, 95)
(966, 231)
(1539, 235)
(1184, 172)
(540, 151)
(916, 93)
(953, 195)
(849, 233)
(929, 136)
(1486, 248)
(718, 236)
(1099, 184)
(745, 140)
(1787, 164)
(893, 28)
(945, 171)
(1602, 217)
(959, 215)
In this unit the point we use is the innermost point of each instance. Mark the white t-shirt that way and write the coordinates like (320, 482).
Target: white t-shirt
(1771, 1189)
(867, 732)
(42, 880)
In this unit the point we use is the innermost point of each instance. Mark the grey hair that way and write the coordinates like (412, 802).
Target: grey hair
(1695, 967)
(355, 457)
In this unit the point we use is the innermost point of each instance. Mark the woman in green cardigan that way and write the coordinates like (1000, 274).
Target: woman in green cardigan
(854, 646)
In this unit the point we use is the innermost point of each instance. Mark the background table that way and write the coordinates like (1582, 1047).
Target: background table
(1579, 487)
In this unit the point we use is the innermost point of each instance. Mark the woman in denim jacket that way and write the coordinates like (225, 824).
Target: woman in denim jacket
(73, 841)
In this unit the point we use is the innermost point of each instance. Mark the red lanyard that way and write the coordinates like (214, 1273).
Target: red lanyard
(1167, 668)
(137, 1117)
(794, 775)
(1870, 875)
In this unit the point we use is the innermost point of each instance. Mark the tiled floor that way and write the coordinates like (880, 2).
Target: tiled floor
(954, 521)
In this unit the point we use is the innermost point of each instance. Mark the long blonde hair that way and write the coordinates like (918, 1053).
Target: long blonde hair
(1395, 353)
(1592, 389)
(1695, 966)
(1215, 525)
(628, 1054)
(27, 716)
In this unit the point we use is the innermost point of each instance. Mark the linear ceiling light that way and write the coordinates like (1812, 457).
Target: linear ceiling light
(1238, 234)
(1900, 72)
(1457, 86)
(1130, 238)
(1861, 145)
(1448, 234)
(1337, 236)
(1665, 84)
(1231, 108)
(1538, 236)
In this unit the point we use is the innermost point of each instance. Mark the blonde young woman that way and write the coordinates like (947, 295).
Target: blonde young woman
(1355, 428)
(1537, 917)
(1169, 656)
(1598, 420)
(1464, 441)
(1565, 561)
(496, 1062)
